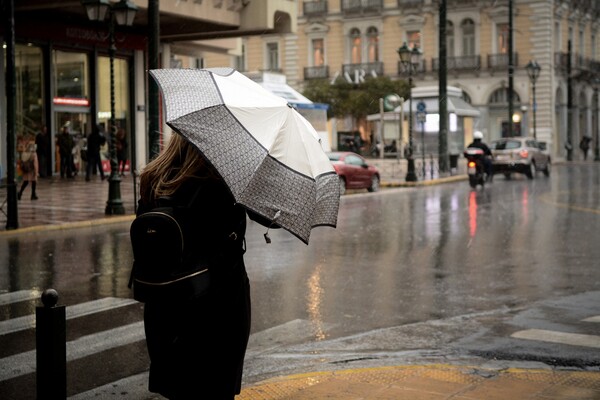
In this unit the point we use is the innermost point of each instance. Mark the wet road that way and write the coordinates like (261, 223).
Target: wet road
(398, 258)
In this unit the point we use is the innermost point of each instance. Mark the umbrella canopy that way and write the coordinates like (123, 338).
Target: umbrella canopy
(269, 156)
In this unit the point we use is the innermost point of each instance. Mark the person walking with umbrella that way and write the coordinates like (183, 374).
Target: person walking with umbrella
(197, 345)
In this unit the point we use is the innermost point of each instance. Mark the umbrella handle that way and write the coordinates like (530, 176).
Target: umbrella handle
(266, 234)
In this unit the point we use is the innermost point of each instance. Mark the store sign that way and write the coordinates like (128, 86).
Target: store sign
(357, 77)
(70, 101)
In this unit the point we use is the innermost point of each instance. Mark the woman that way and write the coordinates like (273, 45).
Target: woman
(197, 346)
(30, 168)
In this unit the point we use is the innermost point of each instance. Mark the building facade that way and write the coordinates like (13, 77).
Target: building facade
(350, 39)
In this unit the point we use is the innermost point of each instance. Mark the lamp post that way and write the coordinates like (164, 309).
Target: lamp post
(410, 60)
(533, 70)
(124, 13)
(597, 144)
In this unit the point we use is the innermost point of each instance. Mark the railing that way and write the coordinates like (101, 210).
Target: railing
(366, 68)
(459, 63)
(410, 3)
(500, 61)
(354, 7)
(321, 72)
(314, 8)
(403, 70)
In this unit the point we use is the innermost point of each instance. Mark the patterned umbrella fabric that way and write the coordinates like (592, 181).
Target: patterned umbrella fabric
(267, 153)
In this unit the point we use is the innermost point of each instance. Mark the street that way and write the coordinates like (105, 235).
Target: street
(503, 275)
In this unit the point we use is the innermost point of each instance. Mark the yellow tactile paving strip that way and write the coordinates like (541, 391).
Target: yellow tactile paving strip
(430, 382)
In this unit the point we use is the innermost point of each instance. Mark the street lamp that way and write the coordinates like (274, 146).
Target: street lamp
(124, 13)
(533, 70)
(410, 61)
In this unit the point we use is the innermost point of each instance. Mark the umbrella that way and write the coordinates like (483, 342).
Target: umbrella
(269, 155)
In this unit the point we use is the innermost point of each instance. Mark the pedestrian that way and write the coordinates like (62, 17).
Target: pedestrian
(65, 145)
(584, 145)
(30, 169)
(197, 346)
(121, 150)
(42, 141)
(94, 142)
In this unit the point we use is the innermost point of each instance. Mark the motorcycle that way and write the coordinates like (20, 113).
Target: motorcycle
(475, 166)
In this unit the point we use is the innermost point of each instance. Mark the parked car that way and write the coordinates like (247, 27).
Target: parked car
(523, 155)
(354, 171)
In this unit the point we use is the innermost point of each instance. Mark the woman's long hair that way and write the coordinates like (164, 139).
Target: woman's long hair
(178, 163)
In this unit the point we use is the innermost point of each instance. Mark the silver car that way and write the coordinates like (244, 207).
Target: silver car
(523, 155)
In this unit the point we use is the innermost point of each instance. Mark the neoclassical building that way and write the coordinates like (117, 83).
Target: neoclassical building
(354, 38)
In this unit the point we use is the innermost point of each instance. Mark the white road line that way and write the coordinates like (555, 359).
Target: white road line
(21, 295)
(573, 339)
(75, 311)
(24, 363)
(592, 319)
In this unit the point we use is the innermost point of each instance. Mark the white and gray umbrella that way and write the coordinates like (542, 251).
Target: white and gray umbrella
(269, 155)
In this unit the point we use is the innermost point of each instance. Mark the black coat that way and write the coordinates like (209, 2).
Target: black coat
(197, 347)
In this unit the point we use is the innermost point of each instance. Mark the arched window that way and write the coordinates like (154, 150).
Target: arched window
(373, 43)
(500, 98)
(356, 46)
(468, 37)
(449, 39)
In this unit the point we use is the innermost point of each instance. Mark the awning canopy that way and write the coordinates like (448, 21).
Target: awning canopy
(456, 105)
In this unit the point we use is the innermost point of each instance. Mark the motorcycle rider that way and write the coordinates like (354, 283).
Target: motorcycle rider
(487, 157)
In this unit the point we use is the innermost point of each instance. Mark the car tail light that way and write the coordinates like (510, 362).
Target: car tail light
(471, 164)
(523, 153)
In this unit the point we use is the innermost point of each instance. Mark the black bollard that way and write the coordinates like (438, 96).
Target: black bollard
(51, 352)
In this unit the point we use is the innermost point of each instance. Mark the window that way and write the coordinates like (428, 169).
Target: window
(449, 39)
(273, 56)
(318, 52)
(413, 39)
(240, 61)
(373, 43)
(581, 43)
(468, 31)
(356, 46)
(502, 38)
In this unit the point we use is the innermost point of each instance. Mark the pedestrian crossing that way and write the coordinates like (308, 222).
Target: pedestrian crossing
(109, 335)
(571, 339)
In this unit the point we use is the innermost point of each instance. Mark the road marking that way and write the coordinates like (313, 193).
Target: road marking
(592, 319)
(25, 363)
(21, 295)
(574, 339)
(75, 311)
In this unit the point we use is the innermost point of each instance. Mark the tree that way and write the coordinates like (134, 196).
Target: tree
(357, 100)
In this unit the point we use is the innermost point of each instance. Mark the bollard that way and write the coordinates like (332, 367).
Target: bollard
(51, 348)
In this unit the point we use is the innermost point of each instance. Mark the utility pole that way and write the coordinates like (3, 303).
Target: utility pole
(443, 92)
(153, 63)
(511, 69)
(12, 219)
(569, 144)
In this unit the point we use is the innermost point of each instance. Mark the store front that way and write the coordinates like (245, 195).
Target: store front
(63, 86)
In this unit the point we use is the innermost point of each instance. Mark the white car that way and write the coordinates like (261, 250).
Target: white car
(523, 155)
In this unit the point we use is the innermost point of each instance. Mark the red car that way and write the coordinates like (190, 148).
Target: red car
(354, 172)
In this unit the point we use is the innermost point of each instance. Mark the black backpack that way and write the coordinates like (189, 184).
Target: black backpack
(162, 268)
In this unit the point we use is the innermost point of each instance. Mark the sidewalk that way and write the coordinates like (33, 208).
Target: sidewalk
(66, 203)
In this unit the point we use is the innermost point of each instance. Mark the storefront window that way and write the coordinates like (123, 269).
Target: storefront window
(30, 88)
(121, 87)
(71, 75)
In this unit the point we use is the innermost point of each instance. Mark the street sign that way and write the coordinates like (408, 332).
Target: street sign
(421, 116)
(421, 106)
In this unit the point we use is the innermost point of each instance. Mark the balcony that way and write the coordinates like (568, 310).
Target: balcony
(410, 3)
(321, 72)
(316, 8)
(403, 71)
(361, 7)
(458, 64)
(363, 69)
(499, 62)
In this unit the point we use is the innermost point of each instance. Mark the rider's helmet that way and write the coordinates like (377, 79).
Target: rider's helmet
(477, 135)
